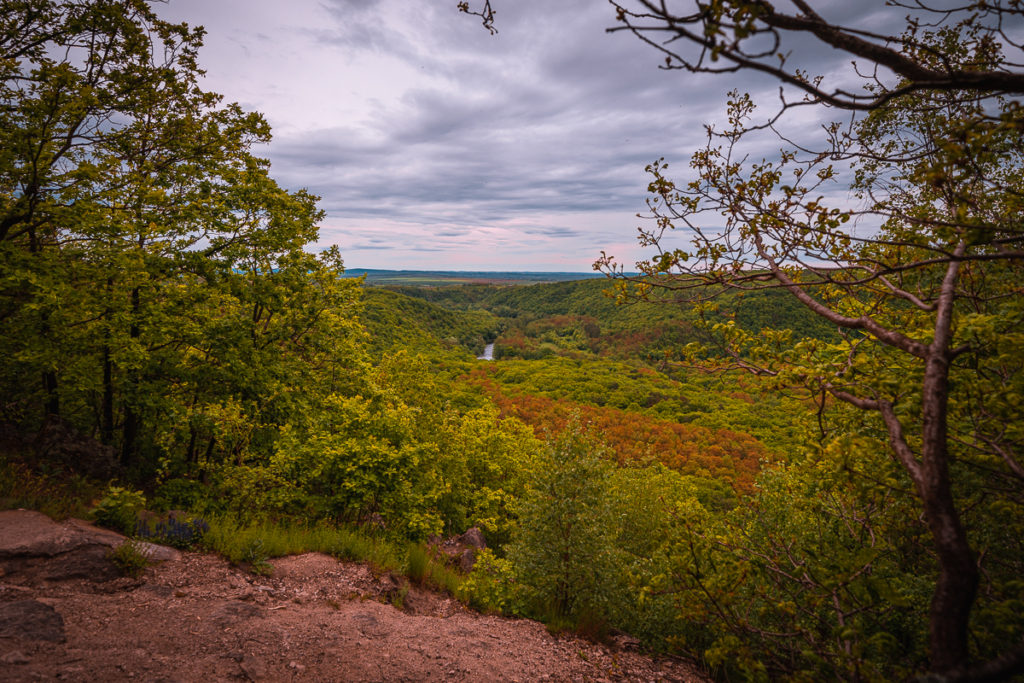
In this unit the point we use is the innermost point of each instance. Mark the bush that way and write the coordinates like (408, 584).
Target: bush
(119, 509)
(181, 494)
(491, 586)
(129, 558)
(255, 555)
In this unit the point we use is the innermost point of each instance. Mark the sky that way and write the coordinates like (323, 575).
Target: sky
(437, 146)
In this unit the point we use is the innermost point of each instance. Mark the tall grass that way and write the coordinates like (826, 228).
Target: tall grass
(254, 543)
(57, 495)
(424, 569)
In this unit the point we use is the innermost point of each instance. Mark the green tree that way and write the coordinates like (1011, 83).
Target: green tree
(563, 549)
(924, 304)
(816, 576)
(154, 286)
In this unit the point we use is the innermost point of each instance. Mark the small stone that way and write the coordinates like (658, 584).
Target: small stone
(15, 657)
(626, 642)
(296, 666)
(253, 667)
(158, 553)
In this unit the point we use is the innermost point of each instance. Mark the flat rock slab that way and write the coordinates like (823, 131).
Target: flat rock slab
(31, 620)
(34, 546)
(26, 533)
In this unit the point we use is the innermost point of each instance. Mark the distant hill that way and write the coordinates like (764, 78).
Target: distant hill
(752, 310)
(428, 278)
(395, 320)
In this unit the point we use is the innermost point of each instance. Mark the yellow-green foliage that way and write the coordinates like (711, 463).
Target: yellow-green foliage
(396, 321)
(239, 376)
(563, 550)
(816, 576)
(397, 452)
(119, 508)
(491, 586)
(743, 404)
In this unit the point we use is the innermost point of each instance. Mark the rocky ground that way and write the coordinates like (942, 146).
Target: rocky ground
(66, 613)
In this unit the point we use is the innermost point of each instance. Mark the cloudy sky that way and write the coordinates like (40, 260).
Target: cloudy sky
(437, 146)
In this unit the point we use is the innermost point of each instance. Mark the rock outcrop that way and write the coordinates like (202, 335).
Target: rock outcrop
(33, 545)
(461, 550)
(315, 618)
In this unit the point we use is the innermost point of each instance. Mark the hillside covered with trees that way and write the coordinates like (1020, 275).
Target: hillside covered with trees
(787, 453)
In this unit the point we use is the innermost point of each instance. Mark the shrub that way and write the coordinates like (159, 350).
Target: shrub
(129, 558)
(256, 557)
(119, 509)
(491, 586)
(183, 494)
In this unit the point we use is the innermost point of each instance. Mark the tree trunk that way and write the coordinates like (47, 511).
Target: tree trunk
(52, 404)
(955, 589)
(957, 584)
(52, 398)
(192, 456)
(107, 417)
(130, 430)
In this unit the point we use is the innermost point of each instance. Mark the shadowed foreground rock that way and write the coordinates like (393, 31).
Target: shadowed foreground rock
(30, 620)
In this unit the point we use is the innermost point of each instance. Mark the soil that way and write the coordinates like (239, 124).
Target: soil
(194, 617)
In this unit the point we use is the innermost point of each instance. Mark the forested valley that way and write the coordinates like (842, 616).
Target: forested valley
(691, 473)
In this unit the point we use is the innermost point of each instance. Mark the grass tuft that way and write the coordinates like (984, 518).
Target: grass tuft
(417, 563)
(129, 558)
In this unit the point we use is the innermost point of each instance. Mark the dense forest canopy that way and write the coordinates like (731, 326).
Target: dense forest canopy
(933, 152)
(850, 508)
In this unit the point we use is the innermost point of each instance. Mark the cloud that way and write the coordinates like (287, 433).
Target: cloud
(423, 133)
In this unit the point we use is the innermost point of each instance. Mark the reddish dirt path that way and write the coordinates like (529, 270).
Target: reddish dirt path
(196, 618)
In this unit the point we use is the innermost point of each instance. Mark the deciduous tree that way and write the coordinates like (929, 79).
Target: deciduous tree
(925, 301)
(153, 278)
